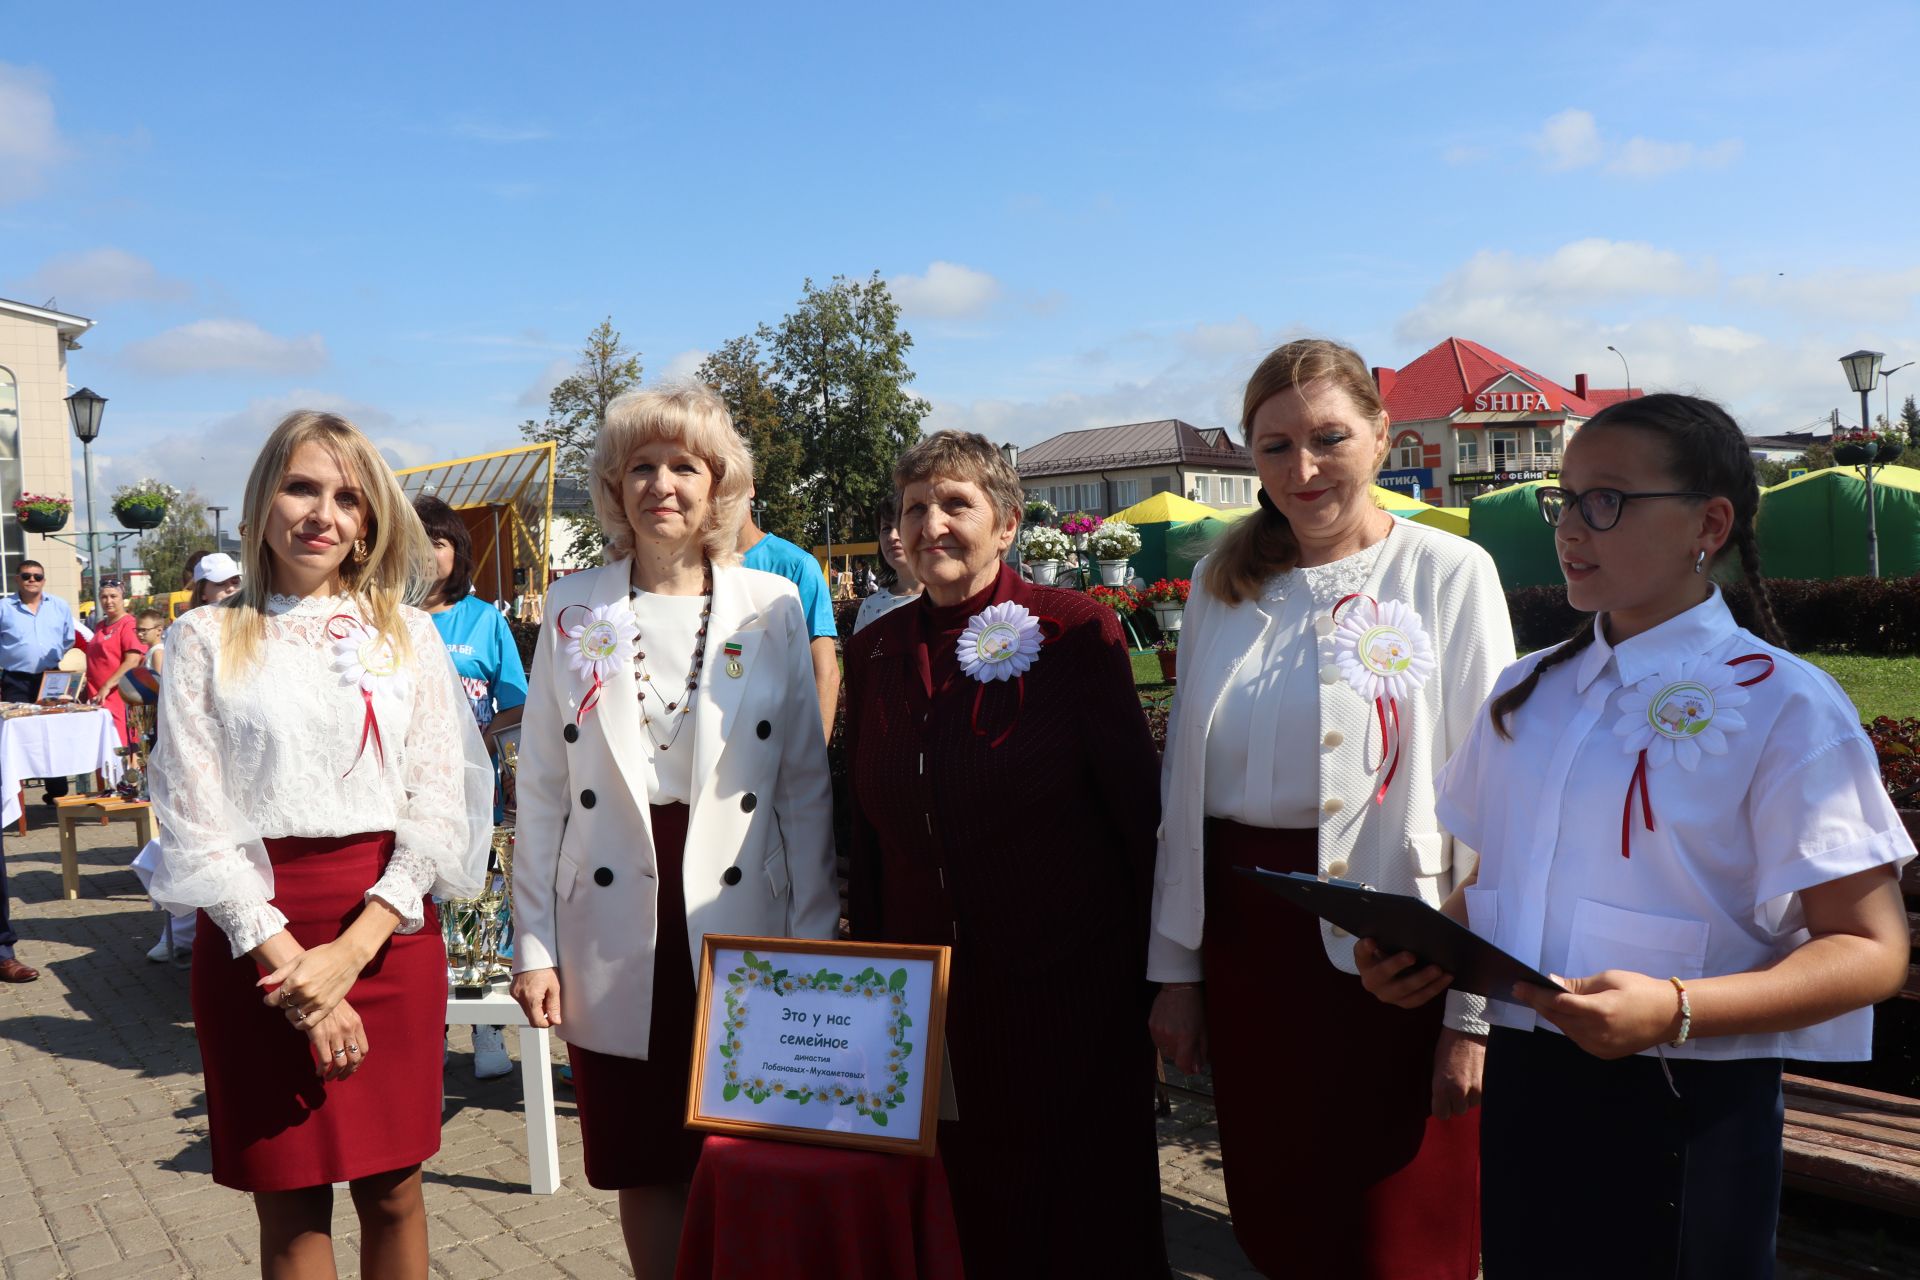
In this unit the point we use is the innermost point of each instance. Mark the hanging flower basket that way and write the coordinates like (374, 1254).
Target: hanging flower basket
(139, 516)
(1851, 455)
(39, 513)
(1113, 573)
(1889, 450)
(1169, 616)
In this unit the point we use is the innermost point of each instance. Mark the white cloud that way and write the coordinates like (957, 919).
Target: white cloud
(1864, 297)
(226, 346)
(1494, 284)
(682, 367)
(536, 395)
(1571, 140)
(946, 290)
(101, 277)
(30, 141)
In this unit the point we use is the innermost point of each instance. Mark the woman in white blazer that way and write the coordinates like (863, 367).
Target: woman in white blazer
(672, 783)
(1332, 658)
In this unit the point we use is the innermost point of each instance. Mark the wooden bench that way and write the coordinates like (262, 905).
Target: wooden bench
(106, 808)
(1858, 1144)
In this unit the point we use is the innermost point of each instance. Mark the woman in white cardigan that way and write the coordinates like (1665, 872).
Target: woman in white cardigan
(1333, 657)
(672, 783)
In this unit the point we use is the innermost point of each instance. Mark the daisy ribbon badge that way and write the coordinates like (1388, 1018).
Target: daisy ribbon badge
(599, 641)
(1663, 720)
(365, 660)
(1001, 642)
(1384, 654)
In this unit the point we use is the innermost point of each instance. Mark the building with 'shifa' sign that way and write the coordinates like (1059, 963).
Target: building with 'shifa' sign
(1467, 420)
(1107, 469)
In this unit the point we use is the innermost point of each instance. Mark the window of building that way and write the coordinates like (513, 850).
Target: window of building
(1246, 491)
(1503, 445)
(1202, 488)
(1543, 439)
(1468, 453)
(1125, 493)
(1163, 484)
(13, 539)
(1407, 451)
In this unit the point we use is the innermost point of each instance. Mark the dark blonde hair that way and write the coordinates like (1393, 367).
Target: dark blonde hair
(1262, 544)
(965, 456)
(697, 420)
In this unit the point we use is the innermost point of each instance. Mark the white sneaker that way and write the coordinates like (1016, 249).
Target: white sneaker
(490, 1053)
(161, 952)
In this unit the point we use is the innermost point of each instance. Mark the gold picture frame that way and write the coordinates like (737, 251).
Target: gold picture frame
(788, 1039)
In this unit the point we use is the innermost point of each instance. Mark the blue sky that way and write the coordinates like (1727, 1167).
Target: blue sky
(1093, 214)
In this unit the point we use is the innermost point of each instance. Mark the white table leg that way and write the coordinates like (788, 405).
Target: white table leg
(536, 1084)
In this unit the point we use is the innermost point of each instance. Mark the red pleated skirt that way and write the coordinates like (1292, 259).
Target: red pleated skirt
(274, 1124)
(633, 1111)
(1334, 1164)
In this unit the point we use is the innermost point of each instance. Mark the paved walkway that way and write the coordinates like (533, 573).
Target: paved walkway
(103, 1132)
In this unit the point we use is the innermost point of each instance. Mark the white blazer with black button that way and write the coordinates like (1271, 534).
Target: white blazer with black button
(759, 854)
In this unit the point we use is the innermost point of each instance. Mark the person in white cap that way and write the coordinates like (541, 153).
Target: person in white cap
(212, 576)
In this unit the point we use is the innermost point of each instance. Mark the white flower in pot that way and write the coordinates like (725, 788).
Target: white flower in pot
(1043, 549)
(1112, 544)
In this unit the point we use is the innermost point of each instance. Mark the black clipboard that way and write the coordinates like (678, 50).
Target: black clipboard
(1402, 923)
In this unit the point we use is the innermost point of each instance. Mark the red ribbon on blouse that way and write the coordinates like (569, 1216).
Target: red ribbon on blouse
(1638, 782)
(339, 627)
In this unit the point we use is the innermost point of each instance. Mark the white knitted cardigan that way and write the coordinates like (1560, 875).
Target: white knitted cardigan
(1396, 845)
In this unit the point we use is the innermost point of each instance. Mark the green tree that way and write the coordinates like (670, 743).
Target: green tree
(164, 551)
(839, 365)
(1910, 419)
(739, 374)
(576, 410)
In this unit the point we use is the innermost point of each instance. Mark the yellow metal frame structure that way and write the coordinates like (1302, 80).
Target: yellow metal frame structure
(518, 481)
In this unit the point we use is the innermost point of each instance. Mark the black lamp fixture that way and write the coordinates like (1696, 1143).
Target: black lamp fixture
(1011, 452)
(1863, 371)
(86, 408)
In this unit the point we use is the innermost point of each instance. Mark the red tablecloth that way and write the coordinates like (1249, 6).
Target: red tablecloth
(783, 1211)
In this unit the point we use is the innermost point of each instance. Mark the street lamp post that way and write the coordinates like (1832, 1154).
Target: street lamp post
(1886, 390)
(1011, 452)
(1623, 364)
(85, 408)
(1862, 368)
(829, 550)
(216, 524)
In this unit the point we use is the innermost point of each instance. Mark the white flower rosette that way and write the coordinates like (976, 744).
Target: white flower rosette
(1385, 654)
(1000, 642)
(366, 662)
(604, 641)
(1669, 718)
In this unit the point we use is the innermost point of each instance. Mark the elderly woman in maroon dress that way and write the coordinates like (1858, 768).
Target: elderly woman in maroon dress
(1005, 803)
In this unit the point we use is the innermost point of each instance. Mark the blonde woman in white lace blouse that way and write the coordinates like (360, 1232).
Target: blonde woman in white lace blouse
(317, 774)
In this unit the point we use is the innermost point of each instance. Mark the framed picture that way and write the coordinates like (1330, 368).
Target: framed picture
(58, 686)
(833, 1043)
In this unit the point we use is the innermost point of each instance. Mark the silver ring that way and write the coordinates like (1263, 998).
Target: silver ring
(353, 1048)
(339, 1053)
(300, 1016)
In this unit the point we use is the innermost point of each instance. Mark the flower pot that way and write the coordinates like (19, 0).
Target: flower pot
(43, 521)
(1169, 659)
(1045, 572)
(1852, 455)
(1113, 573)
(1889, 450)
(135, 517)
(1168, 614)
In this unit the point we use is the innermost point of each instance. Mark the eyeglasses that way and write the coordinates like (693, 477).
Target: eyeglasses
(1600, 508)
(33, 577)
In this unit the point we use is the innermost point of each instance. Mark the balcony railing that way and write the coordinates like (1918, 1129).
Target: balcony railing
(1511, 462)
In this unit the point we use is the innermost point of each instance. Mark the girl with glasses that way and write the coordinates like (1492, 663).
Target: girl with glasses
(1686, 821)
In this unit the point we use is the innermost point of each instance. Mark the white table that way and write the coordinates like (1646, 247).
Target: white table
(54, 746)
(498, 1009)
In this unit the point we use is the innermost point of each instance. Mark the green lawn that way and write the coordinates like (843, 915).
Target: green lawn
(1878, 686)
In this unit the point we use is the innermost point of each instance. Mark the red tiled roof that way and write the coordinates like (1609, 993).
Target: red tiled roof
(1444, 380)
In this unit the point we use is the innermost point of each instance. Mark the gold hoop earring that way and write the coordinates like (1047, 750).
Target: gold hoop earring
(360, 551)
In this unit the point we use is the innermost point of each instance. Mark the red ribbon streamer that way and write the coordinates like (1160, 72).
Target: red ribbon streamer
(592, 699)
(1383, 706)
(370, 726)
(1639, 779)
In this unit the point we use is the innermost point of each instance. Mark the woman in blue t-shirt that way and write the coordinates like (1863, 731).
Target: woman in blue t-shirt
(487, 661)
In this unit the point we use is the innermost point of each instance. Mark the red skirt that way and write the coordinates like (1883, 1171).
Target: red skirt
(633, 1111)
(1333, 1161)
(274, 1124)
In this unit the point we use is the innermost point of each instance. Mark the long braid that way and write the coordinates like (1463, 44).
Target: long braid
(1749, 547)
(1513, 699)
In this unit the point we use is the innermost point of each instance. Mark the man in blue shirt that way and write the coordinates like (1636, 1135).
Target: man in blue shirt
(36, 630)
(762, 550)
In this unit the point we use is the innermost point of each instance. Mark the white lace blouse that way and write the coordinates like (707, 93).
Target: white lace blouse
(286, 750)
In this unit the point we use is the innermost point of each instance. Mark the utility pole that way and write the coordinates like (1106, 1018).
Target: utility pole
(216, 524)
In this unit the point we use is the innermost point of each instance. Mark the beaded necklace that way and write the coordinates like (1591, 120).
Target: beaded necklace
(676, 711)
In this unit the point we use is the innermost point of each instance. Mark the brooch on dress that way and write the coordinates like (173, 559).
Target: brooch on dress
(1001, 642)
(1666, 720)
(365, 659)
(606, 639)
(1384, 655)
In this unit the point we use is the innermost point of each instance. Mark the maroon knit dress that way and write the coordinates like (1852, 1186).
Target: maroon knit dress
(1014, 821)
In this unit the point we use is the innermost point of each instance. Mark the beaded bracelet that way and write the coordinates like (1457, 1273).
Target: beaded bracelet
(1686, 1013)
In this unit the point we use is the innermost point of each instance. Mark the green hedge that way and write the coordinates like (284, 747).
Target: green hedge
(1847, 615)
